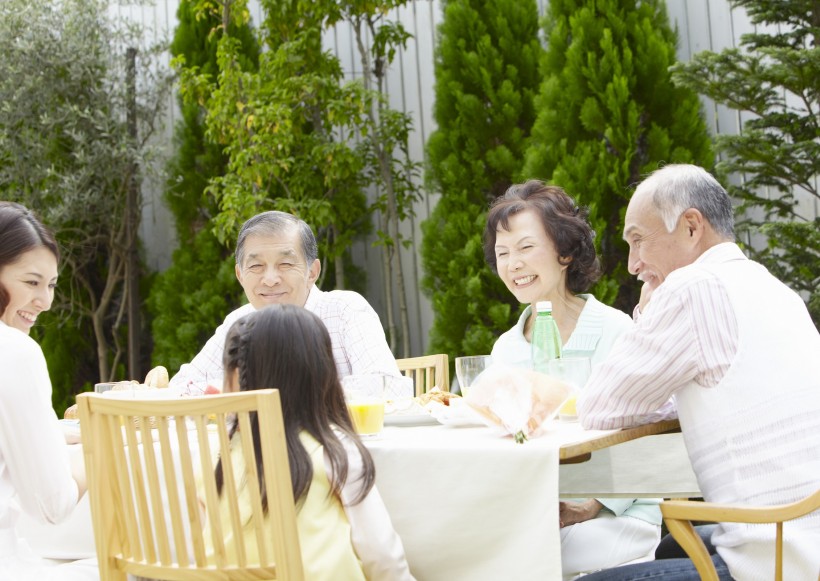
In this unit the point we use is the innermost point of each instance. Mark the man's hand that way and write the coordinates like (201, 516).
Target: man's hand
(76, 461)
(649, 285)
(570, 513)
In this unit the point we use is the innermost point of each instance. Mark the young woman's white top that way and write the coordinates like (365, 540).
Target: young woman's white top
(35, 473)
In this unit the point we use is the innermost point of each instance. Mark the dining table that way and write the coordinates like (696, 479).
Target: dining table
(469, 502)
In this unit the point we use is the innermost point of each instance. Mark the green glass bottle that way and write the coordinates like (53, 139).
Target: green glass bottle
(546, 340)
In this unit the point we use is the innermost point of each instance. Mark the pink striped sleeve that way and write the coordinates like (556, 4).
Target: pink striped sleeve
(687, 333)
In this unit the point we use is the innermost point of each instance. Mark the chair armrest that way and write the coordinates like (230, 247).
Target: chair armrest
(713, 512)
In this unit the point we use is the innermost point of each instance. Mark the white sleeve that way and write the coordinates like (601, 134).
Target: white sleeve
(364, 341)
(32, 445)
(375, 541)
(670, 345)
(206, 366)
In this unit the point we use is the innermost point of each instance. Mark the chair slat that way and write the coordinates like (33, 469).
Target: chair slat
(172, 488)
(281, 509)
(230, 492)
(254, 493)
(190, 493)
(211, 494)
(160, 549)
(427, 372)
(127, 493)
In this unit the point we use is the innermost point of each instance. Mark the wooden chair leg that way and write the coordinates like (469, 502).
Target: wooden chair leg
(689, 540)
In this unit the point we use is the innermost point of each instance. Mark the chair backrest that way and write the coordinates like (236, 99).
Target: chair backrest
(678, 515)
(427, 372)
(150, 503)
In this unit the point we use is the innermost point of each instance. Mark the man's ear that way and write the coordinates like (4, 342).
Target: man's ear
(694, 223)
(238, 272)
(314, 271)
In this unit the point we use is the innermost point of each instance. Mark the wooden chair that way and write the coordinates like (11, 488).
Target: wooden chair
(427, 372)
(150, 503)
(678, 515)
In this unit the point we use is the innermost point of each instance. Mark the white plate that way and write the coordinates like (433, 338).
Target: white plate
(458, 414)
(71, 431)
(407, 420)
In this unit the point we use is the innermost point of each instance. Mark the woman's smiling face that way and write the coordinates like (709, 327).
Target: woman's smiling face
(527, 261)
(30, 283)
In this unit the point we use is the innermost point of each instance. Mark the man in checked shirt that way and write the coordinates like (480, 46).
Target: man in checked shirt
(277, 263)
(733, 352)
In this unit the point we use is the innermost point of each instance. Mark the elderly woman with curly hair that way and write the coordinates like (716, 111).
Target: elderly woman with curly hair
(541, 245)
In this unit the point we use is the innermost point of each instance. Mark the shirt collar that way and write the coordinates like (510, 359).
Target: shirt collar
(313, 298)
(723, 252)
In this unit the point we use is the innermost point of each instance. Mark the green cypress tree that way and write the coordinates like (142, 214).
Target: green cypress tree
(486, 79)
(194, 294)
(775, 75)
(608, 113)
(197, 159)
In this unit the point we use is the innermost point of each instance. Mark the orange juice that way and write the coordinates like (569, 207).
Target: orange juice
(568, 408)
(367, 416)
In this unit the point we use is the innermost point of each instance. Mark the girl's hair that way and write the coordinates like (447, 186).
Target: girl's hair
(20, 232)
(288, 348)
(564, 222)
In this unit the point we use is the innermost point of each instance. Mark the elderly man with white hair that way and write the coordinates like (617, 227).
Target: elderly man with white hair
(277, 263)
(734, 353)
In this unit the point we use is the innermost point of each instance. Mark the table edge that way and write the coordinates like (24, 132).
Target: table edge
(575, 452)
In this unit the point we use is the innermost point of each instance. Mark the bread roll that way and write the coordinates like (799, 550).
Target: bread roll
(157, 377)
(71, 413)
(124, 385)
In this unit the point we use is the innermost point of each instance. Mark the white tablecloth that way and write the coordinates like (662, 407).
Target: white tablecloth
(469, 504)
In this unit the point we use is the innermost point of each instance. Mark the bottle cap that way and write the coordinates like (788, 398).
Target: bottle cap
(542, 306)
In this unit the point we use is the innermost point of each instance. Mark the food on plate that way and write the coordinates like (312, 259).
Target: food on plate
(123, 385)
(438, 396)
(421, 405)
(403, 406)
(157, 377)
(71, 413)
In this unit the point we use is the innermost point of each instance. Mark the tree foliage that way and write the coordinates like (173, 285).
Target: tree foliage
(195, 293)
(298, 136)
(774, 76)
(608, 113)
(66, 152)
(198, 160)
(191, 298)
(486, 71)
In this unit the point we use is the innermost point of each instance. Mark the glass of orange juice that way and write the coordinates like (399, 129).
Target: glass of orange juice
(364, 395)
(469, 368)
(574, 371)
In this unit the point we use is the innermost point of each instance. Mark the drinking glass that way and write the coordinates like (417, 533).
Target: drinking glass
(574, 371)
(103, 387)
(469, 368)
(364, 395)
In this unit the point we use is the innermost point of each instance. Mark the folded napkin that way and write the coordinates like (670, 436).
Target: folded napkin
(518, 400)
